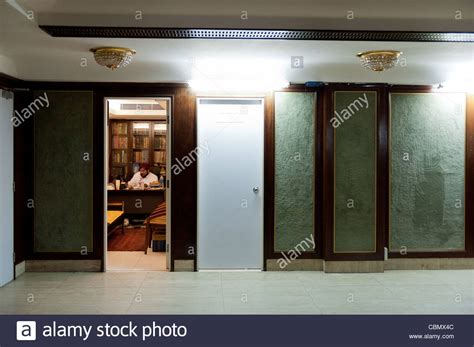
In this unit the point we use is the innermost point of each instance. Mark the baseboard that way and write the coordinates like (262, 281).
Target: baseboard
(63, 265)
(429, 264)
(356, 266)
(184, 265)
(20, 269)
(295, 265)
(272, 265)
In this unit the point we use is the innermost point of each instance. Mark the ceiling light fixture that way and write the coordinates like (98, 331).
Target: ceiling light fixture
(113, 57)
(379, 60)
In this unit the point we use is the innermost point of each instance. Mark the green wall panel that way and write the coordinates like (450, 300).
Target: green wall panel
(63, 178)
(294, 168)
(355, 171)
(427, 171)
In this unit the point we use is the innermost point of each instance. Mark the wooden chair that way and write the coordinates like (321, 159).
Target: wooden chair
(156, 222)
(115, 216)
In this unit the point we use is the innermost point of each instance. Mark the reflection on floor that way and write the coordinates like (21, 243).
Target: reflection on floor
(402, 292)
(136, 261)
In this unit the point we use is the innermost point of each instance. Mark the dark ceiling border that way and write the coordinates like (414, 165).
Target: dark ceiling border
(255, 34)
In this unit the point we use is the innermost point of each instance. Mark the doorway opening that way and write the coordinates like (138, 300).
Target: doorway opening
(137, 183)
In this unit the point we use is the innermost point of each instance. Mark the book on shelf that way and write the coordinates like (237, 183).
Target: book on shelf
(119, 156)
(119, 128)
(160, 157)
(141, 142)
(141, 157)
(119, 142)
(160, 142)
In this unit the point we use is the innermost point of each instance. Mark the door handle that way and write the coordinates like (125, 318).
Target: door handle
(255, 190)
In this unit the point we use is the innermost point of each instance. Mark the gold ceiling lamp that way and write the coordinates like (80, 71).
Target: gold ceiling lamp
(379, 60)
(113, 57)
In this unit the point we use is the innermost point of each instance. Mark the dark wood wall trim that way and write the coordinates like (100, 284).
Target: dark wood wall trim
(24, 186)
(319, 164)
(183, 213)
(469, 182)
(469, 198)
(383, 203)
(381, 184)
(258, 34)
(184, 185)
(269, 174)
(9, 82)
(22, 159)
(268, 179)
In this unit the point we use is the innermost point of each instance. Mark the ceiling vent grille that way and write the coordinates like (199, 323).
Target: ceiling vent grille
(141, 107)
(181, 33)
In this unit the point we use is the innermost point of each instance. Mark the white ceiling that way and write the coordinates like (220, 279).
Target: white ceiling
(27, 52)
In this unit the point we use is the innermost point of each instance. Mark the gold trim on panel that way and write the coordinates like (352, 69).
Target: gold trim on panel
(390, 172)
(315, 94)
(334, 173)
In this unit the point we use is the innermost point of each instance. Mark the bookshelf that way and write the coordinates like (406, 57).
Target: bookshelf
(159, 144)
(134, 142)
(141, 142)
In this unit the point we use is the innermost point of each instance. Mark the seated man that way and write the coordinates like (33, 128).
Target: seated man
(142, 178)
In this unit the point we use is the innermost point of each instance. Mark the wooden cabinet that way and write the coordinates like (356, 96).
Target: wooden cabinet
(135, 142)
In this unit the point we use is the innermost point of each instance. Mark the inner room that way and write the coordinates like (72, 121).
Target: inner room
(137, 137)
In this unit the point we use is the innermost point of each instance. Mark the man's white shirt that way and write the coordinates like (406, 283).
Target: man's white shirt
(137, 179)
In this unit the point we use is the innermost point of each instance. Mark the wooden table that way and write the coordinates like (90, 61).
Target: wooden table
(114, 218)
(138, 201)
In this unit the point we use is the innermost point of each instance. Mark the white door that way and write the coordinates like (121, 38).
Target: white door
(230, 183)
(6, 188)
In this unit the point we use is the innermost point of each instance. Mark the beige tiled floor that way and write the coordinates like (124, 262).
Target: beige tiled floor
(136, 261)
(392, 292)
